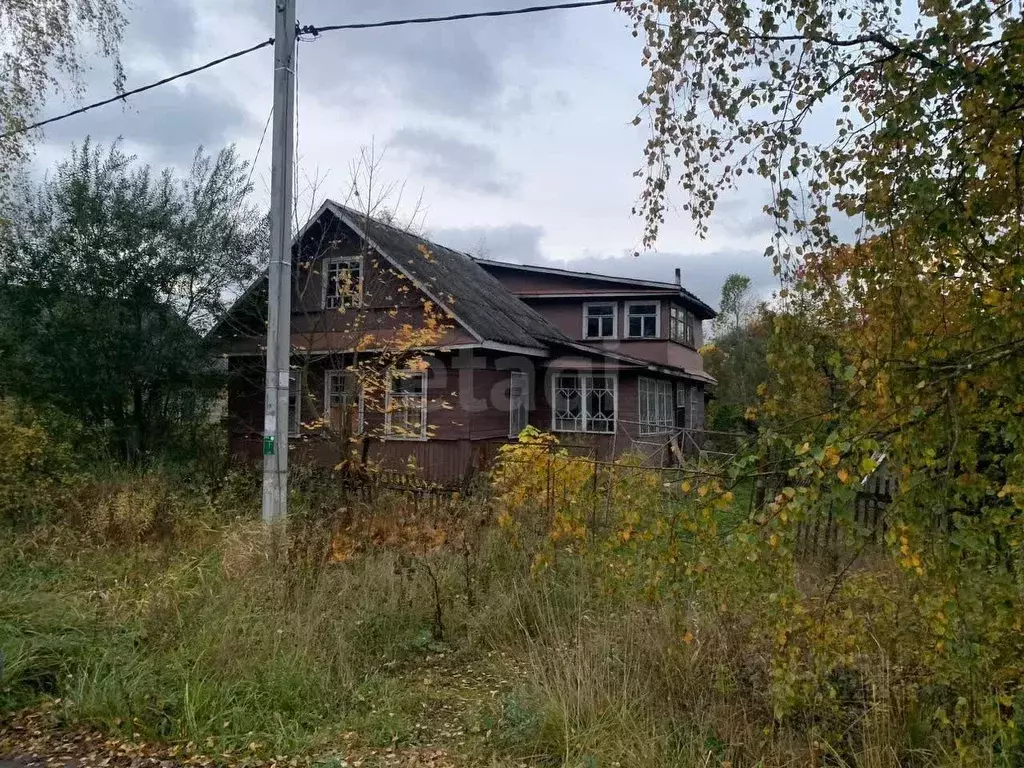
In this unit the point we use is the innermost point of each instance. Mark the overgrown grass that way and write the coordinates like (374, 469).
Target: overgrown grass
(210, 641)
(205, 633)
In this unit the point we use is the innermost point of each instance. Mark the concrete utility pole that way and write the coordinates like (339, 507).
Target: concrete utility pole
(275, 411)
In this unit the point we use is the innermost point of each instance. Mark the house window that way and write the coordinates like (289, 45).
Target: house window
(681, 406)
(642, 320)
(584, 402)
(694, 394)
(655, 406)
(294, 405)
(681, 326)
(343, 282)
(341, 393)
(405, 407)
(599, 321)
(518, 402)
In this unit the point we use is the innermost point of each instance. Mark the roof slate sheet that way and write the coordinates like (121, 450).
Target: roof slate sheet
(475, 296)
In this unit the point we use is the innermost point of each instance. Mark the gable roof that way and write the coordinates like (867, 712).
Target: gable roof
(453, 279)
(629, 282)
(459, 284)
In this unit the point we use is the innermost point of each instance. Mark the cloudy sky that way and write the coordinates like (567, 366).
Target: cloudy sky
(514, 133)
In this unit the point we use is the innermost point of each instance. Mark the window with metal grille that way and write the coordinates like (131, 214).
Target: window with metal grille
(584, 402)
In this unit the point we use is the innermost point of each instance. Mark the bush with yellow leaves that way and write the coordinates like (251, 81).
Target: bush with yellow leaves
(37, 469)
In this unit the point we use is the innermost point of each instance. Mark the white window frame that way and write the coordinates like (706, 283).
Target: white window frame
(693, 407)
(355, 299)
(682, 395)
(689, 336)
(389, 396)
(295, 384)
(655, 406)
(615, 318)
(328, 376)
(585, 378)
(657, 318)
(522, 402)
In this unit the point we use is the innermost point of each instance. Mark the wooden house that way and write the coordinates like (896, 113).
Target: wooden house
(609, 364)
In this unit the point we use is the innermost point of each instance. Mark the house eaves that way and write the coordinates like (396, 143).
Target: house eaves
(652, 284)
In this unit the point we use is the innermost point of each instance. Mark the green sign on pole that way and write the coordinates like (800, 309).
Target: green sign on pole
(268, 445)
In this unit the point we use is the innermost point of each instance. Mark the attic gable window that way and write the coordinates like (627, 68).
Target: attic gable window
(599, 321)
(642, 319)
(343, 282)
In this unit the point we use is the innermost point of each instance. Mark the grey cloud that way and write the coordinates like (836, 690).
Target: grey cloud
(165, 27)
(515, 242)
(168, 122)
(458, 163)
(455, 69)
(702, 274)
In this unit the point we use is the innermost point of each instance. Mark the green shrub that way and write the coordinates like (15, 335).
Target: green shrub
(38, 466)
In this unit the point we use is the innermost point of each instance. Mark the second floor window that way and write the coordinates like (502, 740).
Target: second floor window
(405, 407)
(599, 321)
(642, 320)
(681, 326)
(343, 282)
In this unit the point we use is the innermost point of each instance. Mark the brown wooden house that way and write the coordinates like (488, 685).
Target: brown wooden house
(609, 364)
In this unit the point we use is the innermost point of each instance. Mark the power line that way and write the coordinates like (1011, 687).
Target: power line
(263, 137)
(134, 91)
(311, 29)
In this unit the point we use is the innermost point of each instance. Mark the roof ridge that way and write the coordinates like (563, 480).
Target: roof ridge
(599, 276)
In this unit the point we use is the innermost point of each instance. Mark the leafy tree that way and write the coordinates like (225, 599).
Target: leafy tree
(737, 357)
(111, 279)
(926, 108)
(735, 304)
(42, 52)
(904, 346)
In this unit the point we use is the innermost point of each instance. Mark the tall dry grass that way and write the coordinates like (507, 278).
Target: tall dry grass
(200, 631)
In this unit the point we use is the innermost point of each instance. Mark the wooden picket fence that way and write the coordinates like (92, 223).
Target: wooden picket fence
(861, 528)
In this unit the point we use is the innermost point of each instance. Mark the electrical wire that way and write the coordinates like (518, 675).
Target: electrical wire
(311, 29)
(259, 147)
(141, 89)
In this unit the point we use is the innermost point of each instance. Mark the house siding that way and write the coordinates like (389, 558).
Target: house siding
(467, 388)
(566, 314)
(467, 415)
